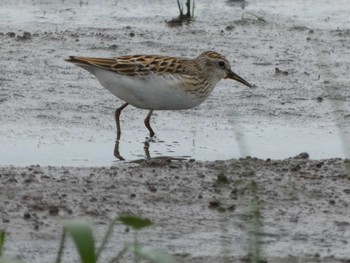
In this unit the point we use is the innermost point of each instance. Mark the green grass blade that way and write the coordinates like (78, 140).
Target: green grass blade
(2, 241)
(180, 8)
(135, 222)
(106, 238)
(193, 5)
(118, 256)
(152, 255)
(81, 233)
(61, 247)
(188, 6)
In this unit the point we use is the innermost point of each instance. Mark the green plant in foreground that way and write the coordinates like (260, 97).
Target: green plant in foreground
(81, 233)
(82, 236)
(4, 259)
(2, 241)
(255, 226)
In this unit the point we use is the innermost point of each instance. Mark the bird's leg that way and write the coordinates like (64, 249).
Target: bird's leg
(116, 151)
(117, 115)
(151, 132)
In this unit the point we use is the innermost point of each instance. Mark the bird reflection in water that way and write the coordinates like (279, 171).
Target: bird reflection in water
(146, 146)
(146, 149)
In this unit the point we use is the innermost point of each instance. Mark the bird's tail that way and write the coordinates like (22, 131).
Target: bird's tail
(77, 60)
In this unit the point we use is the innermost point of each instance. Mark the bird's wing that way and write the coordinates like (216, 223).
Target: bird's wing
(140, 65)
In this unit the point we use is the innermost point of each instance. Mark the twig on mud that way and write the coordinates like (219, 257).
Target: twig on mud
(259, 18)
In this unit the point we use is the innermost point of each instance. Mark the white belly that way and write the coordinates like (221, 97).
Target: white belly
(153, 92)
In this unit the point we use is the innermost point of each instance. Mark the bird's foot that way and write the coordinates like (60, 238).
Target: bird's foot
(116, 151)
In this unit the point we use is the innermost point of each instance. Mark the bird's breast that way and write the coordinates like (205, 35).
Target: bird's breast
(157, 92)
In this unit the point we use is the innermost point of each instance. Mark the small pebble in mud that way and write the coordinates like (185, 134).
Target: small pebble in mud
(152, 188)
(26, 215)
(320, 164)
(280, 72)
(233, 194)
(10, 34)
(230, 27)
(231, 208)
(30, 180)
(25, 36)
(295, 167)
(347, 191)
(303, 155)
(53, 210)
(11, 181)
(214, 204)
(93, 199)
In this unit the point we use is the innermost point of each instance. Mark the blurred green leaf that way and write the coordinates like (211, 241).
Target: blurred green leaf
(134, 221)
(152, 255)
(2, 241)
(81, 233)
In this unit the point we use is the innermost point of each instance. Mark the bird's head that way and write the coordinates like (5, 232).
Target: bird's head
(219, 67)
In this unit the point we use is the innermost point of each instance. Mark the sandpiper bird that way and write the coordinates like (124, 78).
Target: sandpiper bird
(156, 82)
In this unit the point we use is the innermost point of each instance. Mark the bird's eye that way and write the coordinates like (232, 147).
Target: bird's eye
(221, 64)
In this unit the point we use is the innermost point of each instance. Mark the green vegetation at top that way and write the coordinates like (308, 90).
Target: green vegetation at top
(183, 17)
(190, 9)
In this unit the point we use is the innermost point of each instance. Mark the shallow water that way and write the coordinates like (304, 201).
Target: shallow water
(96, 148)
(54, 89)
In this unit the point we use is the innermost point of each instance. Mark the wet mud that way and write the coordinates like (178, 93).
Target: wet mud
(303, 207)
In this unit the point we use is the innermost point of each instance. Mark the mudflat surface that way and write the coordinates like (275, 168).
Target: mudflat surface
(303, 206)
(57, 131)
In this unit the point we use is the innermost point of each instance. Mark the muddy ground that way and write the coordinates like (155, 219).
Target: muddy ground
(304, 208)
(298, 59)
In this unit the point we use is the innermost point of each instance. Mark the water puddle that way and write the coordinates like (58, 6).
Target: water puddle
(98, 148)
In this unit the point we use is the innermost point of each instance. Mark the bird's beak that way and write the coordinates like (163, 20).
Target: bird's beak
(234, 76)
